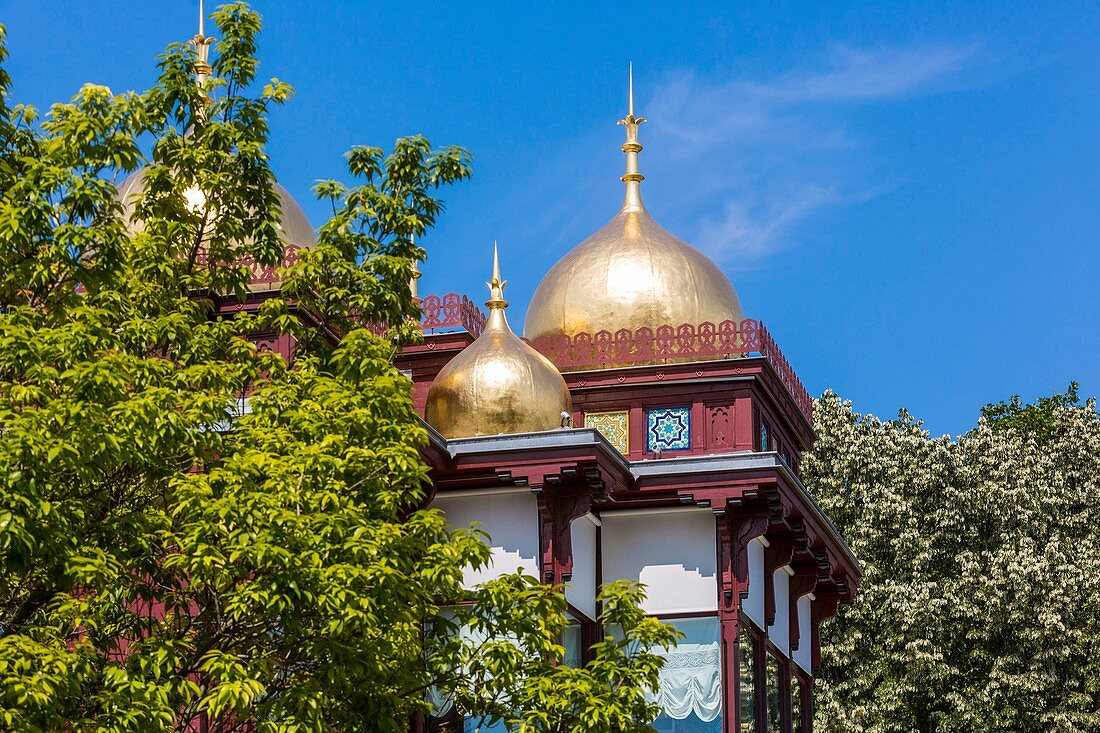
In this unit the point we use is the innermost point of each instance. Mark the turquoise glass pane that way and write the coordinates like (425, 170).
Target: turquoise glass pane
(692, 724)
(775, 701)
(573, 641)
(746, 649)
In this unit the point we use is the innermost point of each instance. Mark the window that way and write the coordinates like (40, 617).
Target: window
(453, 722)
(573, 641)
(481, 725)
(775, 695)
(690, 695)
(797, 724)
(445, 716)
(746, 672)
(763, 435)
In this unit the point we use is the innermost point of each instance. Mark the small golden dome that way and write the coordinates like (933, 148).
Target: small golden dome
(630, 274)
(498, 384)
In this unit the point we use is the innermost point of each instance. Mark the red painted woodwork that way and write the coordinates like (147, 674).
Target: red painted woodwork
(803, 581)
(728, 397)
(823, 607)
(263, 274)
(451, 311)
(422, 362)
(779, 552)
(557, 509)
(719, 427)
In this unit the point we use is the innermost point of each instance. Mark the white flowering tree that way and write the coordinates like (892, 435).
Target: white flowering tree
(980, 609)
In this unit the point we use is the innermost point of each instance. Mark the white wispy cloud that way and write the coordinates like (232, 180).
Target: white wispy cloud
(738, 166)
(746, 231)
(778, 151)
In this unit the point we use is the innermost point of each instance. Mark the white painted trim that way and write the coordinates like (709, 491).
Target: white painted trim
(649, 512)
(592, 518)
(484, 492)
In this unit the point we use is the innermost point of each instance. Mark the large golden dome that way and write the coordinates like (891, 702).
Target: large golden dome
(294, 227)
(498, 384)
(630, 274)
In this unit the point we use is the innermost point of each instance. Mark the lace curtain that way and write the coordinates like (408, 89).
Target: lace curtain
(691, 680)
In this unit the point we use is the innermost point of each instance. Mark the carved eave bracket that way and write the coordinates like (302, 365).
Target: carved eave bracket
(779, 553)
(802, 583)
(558, 506)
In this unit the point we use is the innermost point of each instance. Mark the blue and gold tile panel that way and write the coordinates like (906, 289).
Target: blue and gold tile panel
(668, 428)
(615, 426)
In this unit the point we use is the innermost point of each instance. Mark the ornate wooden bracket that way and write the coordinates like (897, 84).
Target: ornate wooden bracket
(734, 534)
(803, 581)
(557, 510)
(779, 553)
(823, 608)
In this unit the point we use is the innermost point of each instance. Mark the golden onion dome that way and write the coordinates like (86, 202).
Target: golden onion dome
(631, 274)
(294, 226)
(498, 384)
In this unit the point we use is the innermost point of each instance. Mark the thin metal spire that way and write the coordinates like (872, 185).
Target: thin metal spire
(632, 178)
(202, 43)
(496, 285)
(630, 107)
(414, 281)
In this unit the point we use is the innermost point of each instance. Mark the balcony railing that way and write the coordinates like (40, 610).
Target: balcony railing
(687, 342)
(441, 312)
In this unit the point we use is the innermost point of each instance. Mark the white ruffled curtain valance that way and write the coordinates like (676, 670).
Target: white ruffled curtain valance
(691, 682)
(691, 678)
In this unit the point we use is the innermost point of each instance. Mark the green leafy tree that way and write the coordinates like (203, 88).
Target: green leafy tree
(505, 678)
(167, 558)
(978, 612)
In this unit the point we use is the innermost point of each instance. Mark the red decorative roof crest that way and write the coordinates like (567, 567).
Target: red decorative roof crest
(728, 339)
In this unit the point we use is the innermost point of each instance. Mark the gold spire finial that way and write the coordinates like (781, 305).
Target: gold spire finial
(202, 43)
(632, 178)
(630, 72)
(414, 284)
(496, 285)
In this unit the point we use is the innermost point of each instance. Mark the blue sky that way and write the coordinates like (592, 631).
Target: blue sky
(906, 193)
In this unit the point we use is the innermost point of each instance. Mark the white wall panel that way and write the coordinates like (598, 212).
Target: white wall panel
(581, 590)
(803, 656)
(753, 605)
(672, 552)
(512, 520)
(779, 631)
